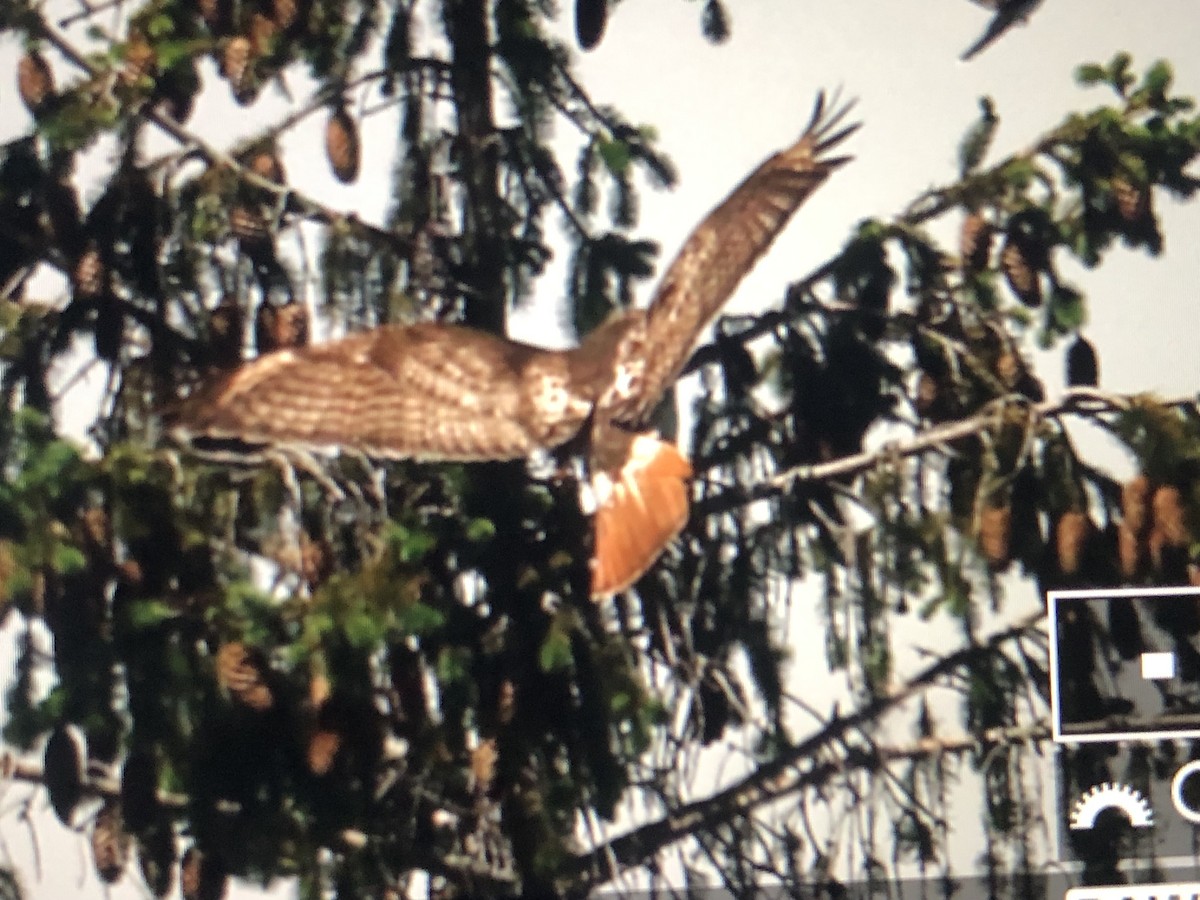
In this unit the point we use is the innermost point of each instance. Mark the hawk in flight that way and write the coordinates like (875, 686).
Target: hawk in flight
(440, 392)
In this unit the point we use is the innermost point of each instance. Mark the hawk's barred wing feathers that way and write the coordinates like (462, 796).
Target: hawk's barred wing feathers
(724, 248)
(444, 392)
(426, 392)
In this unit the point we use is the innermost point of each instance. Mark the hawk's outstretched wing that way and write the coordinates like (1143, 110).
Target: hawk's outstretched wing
(441, 392)
(719, 253)
(427, 392)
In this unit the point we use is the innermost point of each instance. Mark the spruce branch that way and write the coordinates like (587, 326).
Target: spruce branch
(805, 764)
(1084, 402)
(215, 156)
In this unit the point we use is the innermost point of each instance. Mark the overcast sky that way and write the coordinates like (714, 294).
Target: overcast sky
(720, 110)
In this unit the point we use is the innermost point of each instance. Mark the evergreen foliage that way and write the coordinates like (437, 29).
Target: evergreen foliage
(420, 683)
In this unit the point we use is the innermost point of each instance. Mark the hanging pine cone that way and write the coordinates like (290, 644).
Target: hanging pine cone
(927, 395)
(156, 857)
(342, 146)
(210, 11)
(108, 334)
(1135, 504)
(590, 18)
(240, 672)
(201, 876)
(110, 843)
(1074, 529)
(995, 535)
(263, 31)
(1083, 368)
(237, 65)
(323, 747)
(140, 61)
(975, 243)
(1169, 516)
(1132, 200)
(266, 164)
(1130, 552)
(280, 327)
(139, 789)
(285, 13)
(483, 765)
(62, 773)
(95, 536)
(35, 81)
(226, 329)
(176, 91)
(1019, 271)
(61, 219)
(1009, 369)
(316, 559)
(248, 225)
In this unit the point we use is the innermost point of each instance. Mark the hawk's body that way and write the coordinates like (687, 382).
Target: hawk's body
(445, 392)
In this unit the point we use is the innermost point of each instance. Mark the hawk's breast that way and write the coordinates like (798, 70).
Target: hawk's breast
(554, 406)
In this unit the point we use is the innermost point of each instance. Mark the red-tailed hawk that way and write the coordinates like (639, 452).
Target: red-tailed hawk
(445, 392)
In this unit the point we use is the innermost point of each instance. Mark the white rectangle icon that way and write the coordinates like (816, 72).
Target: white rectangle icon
(1153, 665)
(1158, 666)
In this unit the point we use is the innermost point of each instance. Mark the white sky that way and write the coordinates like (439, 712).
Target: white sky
(720, 110)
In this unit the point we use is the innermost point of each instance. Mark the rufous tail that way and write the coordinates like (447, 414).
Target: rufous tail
(639, 510)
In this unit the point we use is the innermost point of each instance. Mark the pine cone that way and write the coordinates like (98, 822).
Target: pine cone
(176, 94)
(1133, 200)
(237, 63)
(342, 146)
(62, 773)
(266, 164)
(975, 243)
(201, 876)
(995, 535)
(483, 765)
(1009, 370)
(108, 334)
(35, 81)
(226, 327)
(323, 747)
(241, 673)
(110, 843)
(590, 18)
(316, 560)
(139, 789)
(927, 395)
(1074, 529)
(1083, 368)
(1135, 504)
(1130, 552)
(91, 274)
(263, 32)
(248, 225)
(210, 12)
(1019, 271)
(1169, 516)
(156, 858)
(285, 13)
(280, 327)
(140, 61)
(95, 533)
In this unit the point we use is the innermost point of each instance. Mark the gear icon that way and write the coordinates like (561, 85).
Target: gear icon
(1108, 795)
